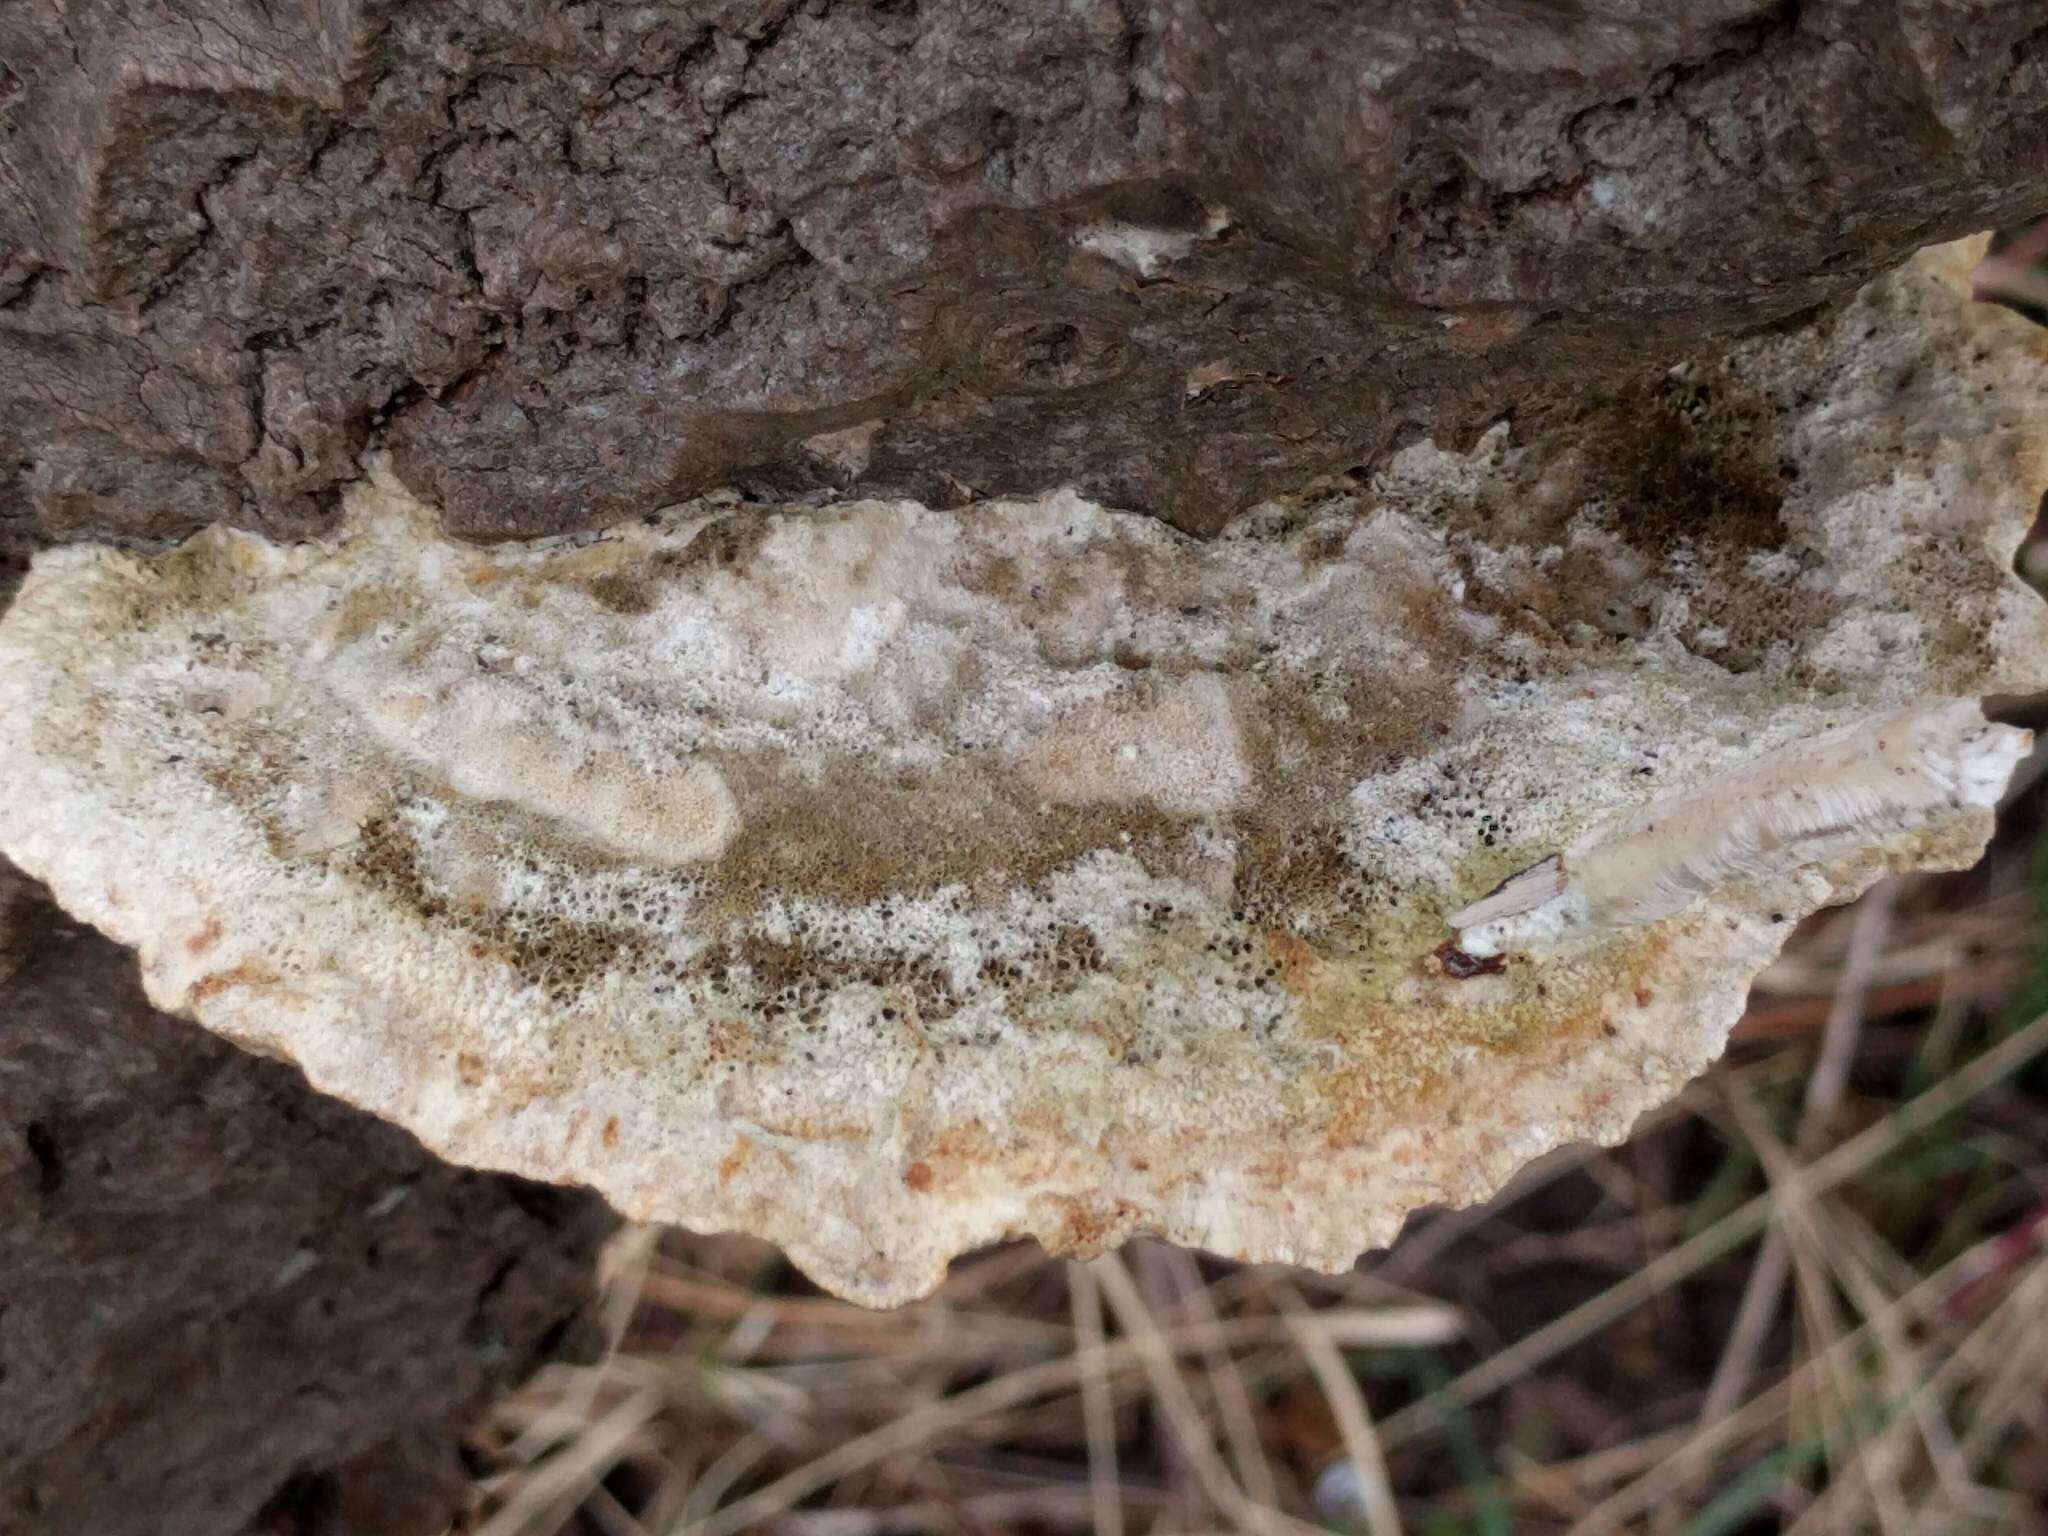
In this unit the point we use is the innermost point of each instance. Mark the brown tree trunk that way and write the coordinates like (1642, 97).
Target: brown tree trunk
(227, 1301)
(572, 262)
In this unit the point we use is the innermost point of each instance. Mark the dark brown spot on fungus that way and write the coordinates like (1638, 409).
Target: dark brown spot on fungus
(622, 593)
(1459, 966)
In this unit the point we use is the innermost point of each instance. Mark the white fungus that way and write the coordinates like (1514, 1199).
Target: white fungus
(885, 880)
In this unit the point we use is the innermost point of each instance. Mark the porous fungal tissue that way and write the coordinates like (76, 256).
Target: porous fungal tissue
(884, 880)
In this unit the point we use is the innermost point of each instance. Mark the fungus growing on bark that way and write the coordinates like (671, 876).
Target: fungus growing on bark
(885, 880)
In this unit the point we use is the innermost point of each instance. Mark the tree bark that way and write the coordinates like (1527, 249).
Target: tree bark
(569, 263)
(228, 1302)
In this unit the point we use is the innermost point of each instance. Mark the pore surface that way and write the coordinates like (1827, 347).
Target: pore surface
(884, 880)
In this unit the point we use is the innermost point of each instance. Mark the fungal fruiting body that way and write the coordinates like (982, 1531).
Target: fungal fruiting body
(885, 880)
(1795, 808)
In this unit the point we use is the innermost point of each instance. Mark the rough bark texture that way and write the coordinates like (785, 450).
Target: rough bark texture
(227, 1302)
(575, 261)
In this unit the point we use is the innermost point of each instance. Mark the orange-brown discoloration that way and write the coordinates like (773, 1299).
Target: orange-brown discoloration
(1295, 959)
(799, 1128)
(730, 1165)
(1088, 1226)
(918, 1177)
(967, 1142)
(247, 974)
(208, 935)
(963, 1150)
(469, 1067)
(1478, 330)
(1410, 1077)
(610, 1135)
(737, 1040)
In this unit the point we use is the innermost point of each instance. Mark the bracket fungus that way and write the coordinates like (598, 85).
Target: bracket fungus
(884, 880)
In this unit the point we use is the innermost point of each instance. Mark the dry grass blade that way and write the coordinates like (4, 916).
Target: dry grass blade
(1170, 1390)
(1738, 1226)
(2001, 1337)
(1761, 1296)
(570, 1473)
(1098, 1409)
(1233, 1399)
(930, 1421)
(1347, 1403)
(1069, 1507)
(1841, 1398)
(1661, 1481)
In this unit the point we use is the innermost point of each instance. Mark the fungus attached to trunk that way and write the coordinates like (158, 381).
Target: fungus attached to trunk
(885, 880)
